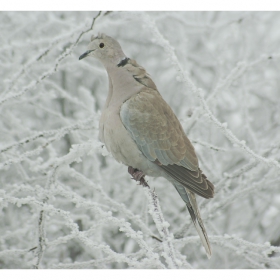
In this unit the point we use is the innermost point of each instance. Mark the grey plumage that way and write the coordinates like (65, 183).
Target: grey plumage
(140, 129)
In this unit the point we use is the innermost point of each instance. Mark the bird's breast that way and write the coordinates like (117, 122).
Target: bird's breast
(117, 140)
(120, 144)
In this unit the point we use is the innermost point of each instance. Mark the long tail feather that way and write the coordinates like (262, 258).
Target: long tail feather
(189, 198)
(196, 218)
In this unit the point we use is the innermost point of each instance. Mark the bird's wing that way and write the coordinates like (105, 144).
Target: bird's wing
(160, 137)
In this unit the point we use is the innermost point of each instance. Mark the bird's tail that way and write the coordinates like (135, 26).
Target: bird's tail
(196, 218)
(189, 198)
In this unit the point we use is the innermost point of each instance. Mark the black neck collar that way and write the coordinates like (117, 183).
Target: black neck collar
(123, 62)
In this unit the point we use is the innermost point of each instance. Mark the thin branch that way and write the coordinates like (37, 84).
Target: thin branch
(50, 72)
(161, 224)
(234, 140)
(41, 239)
(198, 92)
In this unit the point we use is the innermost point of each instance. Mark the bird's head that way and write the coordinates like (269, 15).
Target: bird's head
(104, 48)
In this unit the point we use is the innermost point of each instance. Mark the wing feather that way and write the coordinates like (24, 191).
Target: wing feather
(160, 137)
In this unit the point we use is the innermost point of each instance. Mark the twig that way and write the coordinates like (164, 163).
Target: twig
(233, 139)
(41, 239)
(198, 92)
(161, 224)
(65, 54)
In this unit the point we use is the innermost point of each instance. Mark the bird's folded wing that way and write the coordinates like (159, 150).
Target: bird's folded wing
(160, 137)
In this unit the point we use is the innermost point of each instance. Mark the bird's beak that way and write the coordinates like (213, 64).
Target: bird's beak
(85, 54)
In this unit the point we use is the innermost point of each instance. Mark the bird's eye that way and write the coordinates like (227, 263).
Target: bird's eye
(101, 45)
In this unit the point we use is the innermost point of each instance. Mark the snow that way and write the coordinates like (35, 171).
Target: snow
(66, 203)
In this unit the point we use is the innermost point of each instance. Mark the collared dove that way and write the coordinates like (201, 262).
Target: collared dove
(141, 131)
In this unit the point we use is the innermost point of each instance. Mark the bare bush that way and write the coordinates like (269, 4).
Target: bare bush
(66, 203)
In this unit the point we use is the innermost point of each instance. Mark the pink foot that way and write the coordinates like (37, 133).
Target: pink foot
(136, 174)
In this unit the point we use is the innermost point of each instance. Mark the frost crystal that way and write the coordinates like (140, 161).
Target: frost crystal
(66, 203)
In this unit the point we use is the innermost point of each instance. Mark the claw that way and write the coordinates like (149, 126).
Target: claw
(136, 174)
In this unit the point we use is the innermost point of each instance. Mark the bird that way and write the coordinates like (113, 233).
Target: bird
(141, 130)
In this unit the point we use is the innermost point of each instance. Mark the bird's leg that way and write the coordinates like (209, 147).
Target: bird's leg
(136, 174)
(139, 175)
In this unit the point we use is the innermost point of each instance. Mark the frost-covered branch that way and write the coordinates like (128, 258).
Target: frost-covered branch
(41, 239)
(66, 203)
(198, 92)
(235, 141)
(161, 224)
(51, 71)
